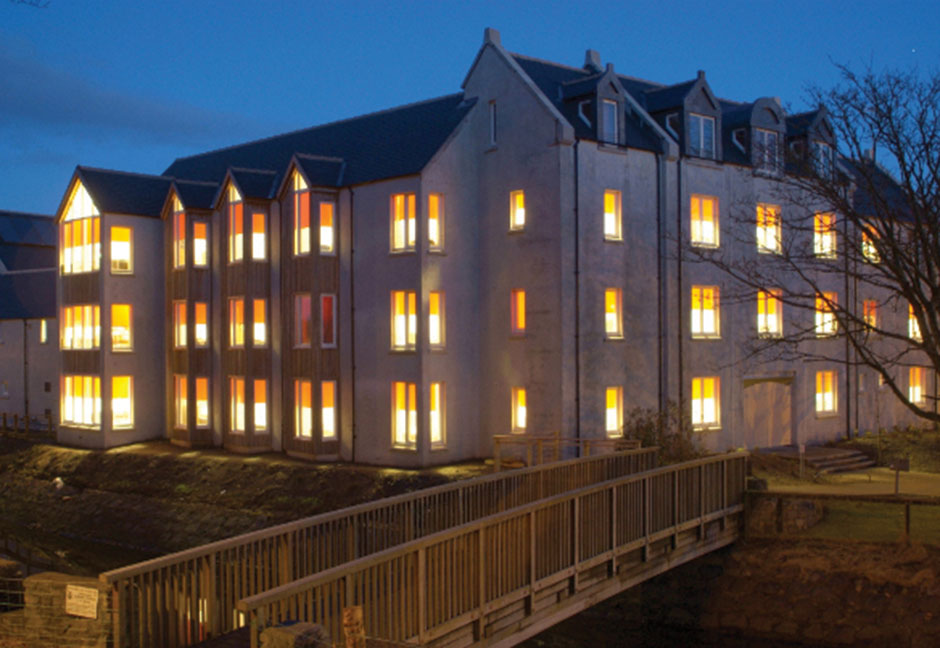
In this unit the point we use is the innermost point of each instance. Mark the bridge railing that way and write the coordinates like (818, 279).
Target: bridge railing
(536, 450)
(182, 598)
(485, 577)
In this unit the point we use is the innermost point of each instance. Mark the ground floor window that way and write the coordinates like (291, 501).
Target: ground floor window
(180, 401)
(706, 400)
(917, 385)
(303, 408)
(614, 411)
(328, 409)
(122, 402)
(404, 415)
(81, 400)
(261, 405)
(202, 402)
(437, 414)
(519, 410)
(825, 392)
(237, 405)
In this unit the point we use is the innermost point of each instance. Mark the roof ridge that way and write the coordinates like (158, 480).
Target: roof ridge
(672, 86)
(208, 183)
(19, 214)
(127, 173)
(251, 170)
(541, 60)
(324, 158)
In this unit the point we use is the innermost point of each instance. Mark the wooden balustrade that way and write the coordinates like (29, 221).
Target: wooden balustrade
(538, 450)
(182, 598)
(511, 574)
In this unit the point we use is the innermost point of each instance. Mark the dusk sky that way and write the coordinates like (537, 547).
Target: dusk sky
(133, 85)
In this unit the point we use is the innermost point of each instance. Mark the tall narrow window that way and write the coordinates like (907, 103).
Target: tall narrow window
(612, 230)
(768, 229)
(201, 332)
(301, 215)
(766, 149)
(328, 321)
(328, 409)
(179, 324)
(701, 136)
(121, 251)
(613, 313)
(826, 324)
(822, 158)
(519, 410)
(705, 314)
(403, 222)
(327, 228)
(80, 234)
(81, 327)
(825, 392)
(917, 385)
(706, 402)
(913, 326)
(81, 400)
(180, 415)
(259, 329)
(516, 210)
(200, 244)
(121, 327)
(179, 234)
(302, 321)
(236, 322)
(870, 313)
(303, 409)
(436, 222)
(260, 394)
(236, 387)
(202, 402)
(769, 313)
(613, 420)
(436, 414)
(404, 415)
(492, 123)
(436, 319)
(236, 225)
(43, 331)
(869, 249)
(517, 312)
(404, 319)
(609, 130)
(259, 237)
(704, 212)
(122, 402)
(824, 235)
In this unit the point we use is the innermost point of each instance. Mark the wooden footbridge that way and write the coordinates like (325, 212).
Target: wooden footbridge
(489, 561)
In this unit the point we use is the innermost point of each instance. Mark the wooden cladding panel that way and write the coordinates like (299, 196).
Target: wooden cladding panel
(81, 288)
(81, 362)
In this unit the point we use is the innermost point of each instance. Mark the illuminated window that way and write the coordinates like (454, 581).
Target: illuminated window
(303, 409)
(202, 402)
(613, 313)
(706, 402)
(704, 210)
(201, 332)
(258, 236)
(436, 414)
(436, 319)
(769, 313)
(81, 234)
(613, 420)
(328, 321)
(436, 222)
(766, 149)
(404, 415)
(328, 409)
(826, 324)
(43, 331)
(870, 313)
(913, 326)
(517, 312)
(403, 222)
(519, 411)
(200, 244)
(608, 123)
(869, 249)
(701, 136)
(327, 228)
(825, 392)
(404, 319)
(179, 234)
(768, 229)
(236, 225)
(81, 327)
(917, 385)
(180, 421)
(121, 324)
(81, 400)
(824, 235)
(612, 215)
(822, 158)
(302, 321)
(705, 315)
(179, 324)
(517, 210)
(261, 405)
(259, 328)
(122, 402)
(301, 215)
(236, 388)
(236, 322)
(121, 254)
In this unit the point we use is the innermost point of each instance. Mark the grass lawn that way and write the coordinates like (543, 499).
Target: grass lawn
(921, 445)
(874, 522)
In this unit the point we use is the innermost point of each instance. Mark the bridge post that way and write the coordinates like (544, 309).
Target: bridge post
(675, 509)
(481, 587)
(575, 544)
(422, 593)
(530, 599)
(612, 570)
(646, 519)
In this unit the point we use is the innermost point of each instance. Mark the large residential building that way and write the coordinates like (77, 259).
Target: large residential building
(399, 287)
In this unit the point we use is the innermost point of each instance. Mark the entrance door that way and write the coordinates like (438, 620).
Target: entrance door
(767, 420)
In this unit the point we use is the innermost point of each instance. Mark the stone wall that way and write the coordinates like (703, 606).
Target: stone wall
(769, 516)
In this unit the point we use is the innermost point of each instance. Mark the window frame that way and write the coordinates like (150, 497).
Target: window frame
(208, 420)
(129, 270)
(826, 325)
(302, 388)
(826, 402)
(697, 149)
(408, 212)
(613, 218)
(235, 218)
(917, 392)
(179, 234)
(205, 311)
(699, 384)
(334, 435)
(129, 346)
(236, 323)
(825, 242)
(206, 253)
(300, 200)
(769, 228)
(237, 408)
(327, 207)
(180, 321)
(264, 323)
(68, 401)
(404, 320)
(697, 327)
(129, 424)
(300, 299)
(517, 207)
(437, 395)
(328, 328)
(615, 394)
(696, 225)
(761, 148)
(263, 417)
(436, 215)
(180, 402)
(259, 240)
(517, 312)
(404, 433)
(519, 410)
(613, 326)
(766, 299)
(609, 133)
(441, 326)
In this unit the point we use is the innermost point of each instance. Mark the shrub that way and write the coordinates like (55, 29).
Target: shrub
(671, 430)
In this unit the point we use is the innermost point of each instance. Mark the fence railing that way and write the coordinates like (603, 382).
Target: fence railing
(182, 598)
(483, 578)
(538, 450)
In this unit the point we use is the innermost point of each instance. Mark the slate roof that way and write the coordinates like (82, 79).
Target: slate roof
(27, 241)
(118, 192)
(386, 144)
(322, 171)
(29, 295)
(196, 195)
(658, 99)
(255, 183)
(799, 122)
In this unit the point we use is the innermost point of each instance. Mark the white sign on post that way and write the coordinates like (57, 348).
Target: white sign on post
(81, 601)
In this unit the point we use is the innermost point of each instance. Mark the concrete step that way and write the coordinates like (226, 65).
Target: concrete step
(858, 465)
(841, 461)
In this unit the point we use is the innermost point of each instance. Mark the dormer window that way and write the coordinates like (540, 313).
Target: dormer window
(766, 149)
(822, 159)
(701, 136)
(609, 121)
